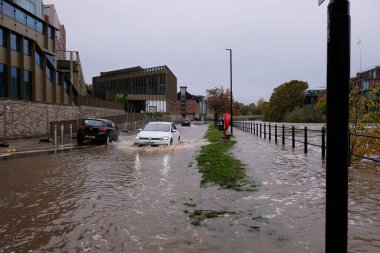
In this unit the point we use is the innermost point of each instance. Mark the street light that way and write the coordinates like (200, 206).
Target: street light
(232, 123)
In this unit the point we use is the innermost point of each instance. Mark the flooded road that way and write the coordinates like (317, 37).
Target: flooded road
(122, 198)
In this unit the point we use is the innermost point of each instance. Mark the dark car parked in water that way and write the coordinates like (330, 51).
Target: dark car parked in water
(97, 130)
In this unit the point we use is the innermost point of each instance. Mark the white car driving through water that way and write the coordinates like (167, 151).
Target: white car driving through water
(158, 133)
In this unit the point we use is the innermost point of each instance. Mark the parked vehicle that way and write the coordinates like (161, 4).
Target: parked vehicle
(185, 122)
(158, 133)
(97, 131)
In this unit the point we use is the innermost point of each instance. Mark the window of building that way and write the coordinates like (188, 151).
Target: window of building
(51, 32)
(8, 10)
(15, 75)
(50, 58)
(365, 85)
(2, 38)
(31, 22)
(40, 27)
(27, 85)
(38, 59)
(49, 73)
(3, 80)
(15, 45)
(58, 78)
(20, 16)
(27, 47)
(374, 73)
(66, 86)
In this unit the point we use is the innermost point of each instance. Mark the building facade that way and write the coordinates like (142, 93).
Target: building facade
(191, 106)
(51, 17)
(28, 64)
(148, 90)
(366, 80)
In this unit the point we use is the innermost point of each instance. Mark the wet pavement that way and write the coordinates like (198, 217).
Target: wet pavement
(122, 198)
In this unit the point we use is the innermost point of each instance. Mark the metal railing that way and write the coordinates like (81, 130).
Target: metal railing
(284, 133)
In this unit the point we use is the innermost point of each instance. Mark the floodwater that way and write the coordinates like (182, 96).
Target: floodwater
(122, 198)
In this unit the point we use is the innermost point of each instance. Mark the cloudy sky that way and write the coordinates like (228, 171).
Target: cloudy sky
(273, 41)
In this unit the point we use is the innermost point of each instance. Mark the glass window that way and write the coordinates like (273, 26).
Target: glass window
(20, 16)
(51, 32)
(15, 45)
(3, 80)
(27, 85)
(2, 37)
(49, 73)
(15, 74)
(50, 58)
(27, 47)
(38, 59)
(40, 27)
(58, 78)
(8, 10)
(66, 87)
(31, 22)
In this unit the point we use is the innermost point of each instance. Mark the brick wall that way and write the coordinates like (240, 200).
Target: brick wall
(24, 119)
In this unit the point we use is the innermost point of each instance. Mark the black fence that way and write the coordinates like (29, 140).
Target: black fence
(283, 133)
(296, 135)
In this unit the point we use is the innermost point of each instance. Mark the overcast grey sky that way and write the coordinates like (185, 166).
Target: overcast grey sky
(273, 41)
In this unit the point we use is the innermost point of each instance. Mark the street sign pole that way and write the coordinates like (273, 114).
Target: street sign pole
(338, 79)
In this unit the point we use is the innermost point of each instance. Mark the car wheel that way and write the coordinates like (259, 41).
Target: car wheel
(171, 142)
(179, 138)
(107, 141)
(80, 141)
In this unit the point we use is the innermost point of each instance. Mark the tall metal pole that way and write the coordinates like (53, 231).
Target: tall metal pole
(338, 79)
(231, 120)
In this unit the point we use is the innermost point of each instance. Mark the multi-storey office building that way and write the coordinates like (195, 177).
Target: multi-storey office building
(28, 65)
(148, 90)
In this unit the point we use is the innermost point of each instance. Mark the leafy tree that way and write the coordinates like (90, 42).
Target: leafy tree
(285, 98)
(305, 114)
(219, 100)
(123, 100)
(365, 120)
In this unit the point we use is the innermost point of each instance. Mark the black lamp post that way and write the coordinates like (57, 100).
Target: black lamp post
(231, 120)
(338, 79)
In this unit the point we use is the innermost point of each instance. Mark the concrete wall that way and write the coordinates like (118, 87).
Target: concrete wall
(24, 119)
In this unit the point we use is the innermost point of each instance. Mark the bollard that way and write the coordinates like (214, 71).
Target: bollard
(270, 133)
(305, 141)
(265, 131)
(275, 133)
(62, 128)
(55, 135)
(260, 130)
(283, 135)
(293, 138)
(71, 132)
(323, 142)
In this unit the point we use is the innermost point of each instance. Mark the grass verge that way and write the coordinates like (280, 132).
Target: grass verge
(218, 167)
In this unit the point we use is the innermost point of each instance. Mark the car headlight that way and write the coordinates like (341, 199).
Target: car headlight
(137, 137)
(165, 138)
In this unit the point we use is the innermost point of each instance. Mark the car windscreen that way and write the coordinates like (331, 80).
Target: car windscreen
(94, 123)
(157, 127)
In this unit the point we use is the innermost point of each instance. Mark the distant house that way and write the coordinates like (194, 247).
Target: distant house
(191, 106)
(312, 96)
(366, 80)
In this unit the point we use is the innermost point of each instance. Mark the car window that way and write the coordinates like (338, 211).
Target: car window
(157, 127)
(95, 123)
(174, 127)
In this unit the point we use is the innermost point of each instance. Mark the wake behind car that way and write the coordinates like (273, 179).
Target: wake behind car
(97, 130)
(158, 133)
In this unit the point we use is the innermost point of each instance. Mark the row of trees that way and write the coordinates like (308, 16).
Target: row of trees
(285, 104)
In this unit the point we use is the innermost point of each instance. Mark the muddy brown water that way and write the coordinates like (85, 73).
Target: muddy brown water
(122, 198)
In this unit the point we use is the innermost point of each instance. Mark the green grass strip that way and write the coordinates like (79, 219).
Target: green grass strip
(218, 167)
